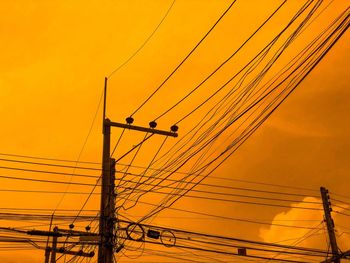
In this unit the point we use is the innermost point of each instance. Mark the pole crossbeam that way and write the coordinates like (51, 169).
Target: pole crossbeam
(50, 252)
(139, 128)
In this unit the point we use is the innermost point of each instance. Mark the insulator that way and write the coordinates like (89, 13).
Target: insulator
(242, 251)
(152, 124)
(129, 120)
(174, 128)
(119, 248)
(153, 234)
(71, 226)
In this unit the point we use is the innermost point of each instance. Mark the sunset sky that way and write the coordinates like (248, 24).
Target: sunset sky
(55, 56)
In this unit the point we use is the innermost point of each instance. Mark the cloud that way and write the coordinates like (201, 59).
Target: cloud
(317, 237)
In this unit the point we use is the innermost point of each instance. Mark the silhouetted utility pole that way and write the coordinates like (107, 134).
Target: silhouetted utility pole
(54, 245)
(107, 205)
(48, 249)
(47, 254)
(106, 224)
(330, 225)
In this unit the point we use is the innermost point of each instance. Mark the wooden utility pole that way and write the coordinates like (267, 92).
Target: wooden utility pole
(48, 249)
(47, 254)
(105, 252)
(54, 245)
(330, 225)
(107, 221)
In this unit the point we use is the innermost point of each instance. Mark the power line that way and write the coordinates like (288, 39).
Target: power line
(144, 172)
(183, 61)
(142, 167)
(144, 43)
(44, 192)
(215, 186)
(335, 34)
(43, 181)
(193, 234)
(224, 252)
(22, 216)
(222, 64)
(48, 172)
(50, 164)
(220, 178)
(225, 217)
(47, 159)
(44, 209)
(222, 193)
(244, 202)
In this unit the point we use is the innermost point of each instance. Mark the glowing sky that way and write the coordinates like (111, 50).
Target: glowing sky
(55, 55)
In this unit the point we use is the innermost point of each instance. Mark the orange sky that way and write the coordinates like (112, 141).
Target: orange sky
(55, 55)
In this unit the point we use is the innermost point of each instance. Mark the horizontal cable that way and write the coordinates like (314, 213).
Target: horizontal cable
(98, 169)
(45, 209)
(341, 213)
(213, 185)
(226, 217)
(50, 164)
(239, 201)
(48, 172)
(225, 238)
(47, 159)
(215, 177)
(224, 252)
(46, 192)
(141, 167)
(43, 181)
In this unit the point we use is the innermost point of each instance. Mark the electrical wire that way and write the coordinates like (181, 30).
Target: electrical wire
(223, 63)
(48, 172)
(224, 217)
(153, 169)
(314, 63)
(46, 158)
(43, 181)
(144, 43)
(183, 60)
(49, 164)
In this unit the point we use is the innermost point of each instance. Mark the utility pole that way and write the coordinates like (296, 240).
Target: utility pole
(330, 225)
(54, 245)
(107, 224)
(48, 249)
(47, 254)
(105, 252)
